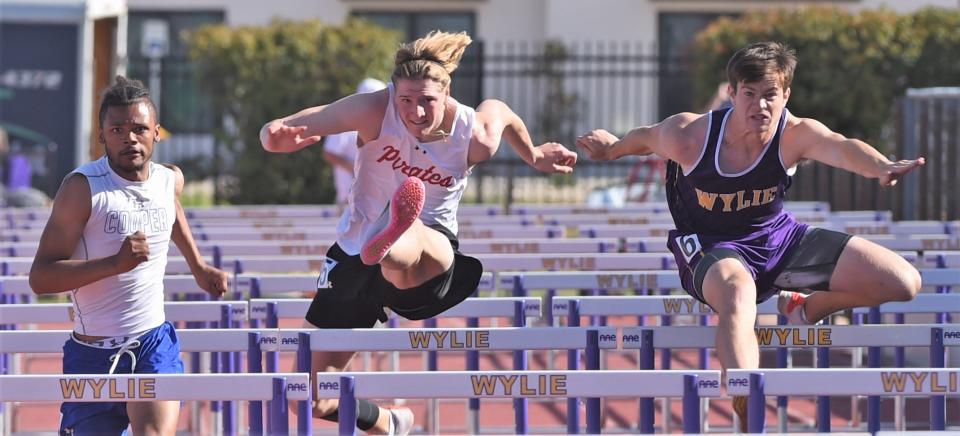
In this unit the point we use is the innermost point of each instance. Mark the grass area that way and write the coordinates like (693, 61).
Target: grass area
(197, 194)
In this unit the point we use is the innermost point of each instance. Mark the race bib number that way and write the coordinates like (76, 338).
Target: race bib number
(689, 246)
(324, 280)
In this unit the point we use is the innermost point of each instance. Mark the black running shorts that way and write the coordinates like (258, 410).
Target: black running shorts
(358, 293)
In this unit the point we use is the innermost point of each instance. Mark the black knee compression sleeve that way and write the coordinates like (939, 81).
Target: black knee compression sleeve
(367, 415)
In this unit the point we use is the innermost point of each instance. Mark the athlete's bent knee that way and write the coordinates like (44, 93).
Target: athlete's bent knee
(908, 283)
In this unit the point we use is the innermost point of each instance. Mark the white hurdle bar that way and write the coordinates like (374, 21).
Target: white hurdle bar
(175, 311)
(472, 340)
(934, 336)
(271, 310)
(275, 388)
(757, 383)
(304, 341)
(320, 247)
(690, 385)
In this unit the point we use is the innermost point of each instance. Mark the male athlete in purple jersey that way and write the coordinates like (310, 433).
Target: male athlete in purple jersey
(735, 245)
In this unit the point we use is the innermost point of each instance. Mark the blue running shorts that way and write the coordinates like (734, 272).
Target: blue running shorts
(156, 351)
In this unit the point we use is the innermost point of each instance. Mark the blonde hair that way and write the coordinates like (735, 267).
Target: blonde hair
(433, 57)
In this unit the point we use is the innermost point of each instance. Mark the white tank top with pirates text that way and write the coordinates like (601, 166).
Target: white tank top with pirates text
(130, 302)
(383, 164)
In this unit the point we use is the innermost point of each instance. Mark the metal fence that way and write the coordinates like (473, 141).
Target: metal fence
(562, 90)
(927, 123)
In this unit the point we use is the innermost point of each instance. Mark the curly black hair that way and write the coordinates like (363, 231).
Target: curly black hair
(125, 92)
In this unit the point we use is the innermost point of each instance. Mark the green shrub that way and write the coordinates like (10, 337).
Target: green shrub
(256, 74)
(852, 67)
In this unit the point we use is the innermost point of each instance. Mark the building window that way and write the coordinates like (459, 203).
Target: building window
(183, 107)
(676, 32)
(415, 24)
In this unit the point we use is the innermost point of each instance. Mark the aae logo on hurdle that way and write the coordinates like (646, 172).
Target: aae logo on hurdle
(531, 308)
(951, 337)
(608, 338)
(279, 341)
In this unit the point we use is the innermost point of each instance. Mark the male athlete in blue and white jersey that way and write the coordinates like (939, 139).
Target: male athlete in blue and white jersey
(106, 243)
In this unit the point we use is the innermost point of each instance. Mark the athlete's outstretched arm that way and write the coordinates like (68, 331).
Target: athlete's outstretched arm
(296, 131)
(497, 121)
(52, 270)
(819, 143)
(209, 278)
(659, 138)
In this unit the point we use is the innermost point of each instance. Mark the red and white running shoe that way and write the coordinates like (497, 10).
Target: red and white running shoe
(405, 208)
(791, 305)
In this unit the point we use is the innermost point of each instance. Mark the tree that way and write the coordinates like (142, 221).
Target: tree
(852, 67)
(256, 74)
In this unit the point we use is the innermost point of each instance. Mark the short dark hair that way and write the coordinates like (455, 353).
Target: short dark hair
(125, 92)
(751, 63)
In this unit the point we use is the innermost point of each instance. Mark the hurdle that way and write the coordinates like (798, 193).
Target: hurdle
(270, 310)
(254, 341)
(934, 336)
(319, 247)
(517, 339)
(275, 388)
(175, 311)
(690, 385)
(756, 384)
(223, 341)
(941, 259)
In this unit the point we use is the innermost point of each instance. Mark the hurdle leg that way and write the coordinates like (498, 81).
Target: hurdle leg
(573, 363)
(433, 404)
(519, 364)
(473, 404)
(855, 420)
(255, 365)
(395, 359)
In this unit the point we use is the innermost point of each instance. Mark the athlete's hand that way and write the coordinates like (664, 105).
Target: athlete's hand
(598, 144)
(133, 252)
(212, 280)
(279, 137)
(896, 170)
(552, 157)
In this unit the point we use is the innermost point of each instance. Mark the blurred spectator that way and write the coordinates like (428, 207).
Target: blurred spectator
(16, 172)
(721, 98)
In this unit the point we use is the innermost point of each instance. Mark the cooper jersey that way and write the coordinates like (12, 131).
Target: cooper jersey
(708, 201)
(129, 302)
(383, 164)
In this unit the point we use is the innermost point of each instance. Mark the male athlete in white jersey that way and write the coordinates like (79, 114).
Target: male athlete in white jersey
(106, 243)
(397, 246)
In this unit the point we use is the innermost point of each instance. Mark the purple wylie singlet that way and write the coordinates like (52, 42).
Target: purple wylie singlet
(742, 211)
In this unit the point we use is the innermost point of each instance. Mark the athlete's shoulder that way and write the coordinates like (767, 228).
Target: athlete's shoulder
(685, 130)
(802, 129)
(685, 125)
